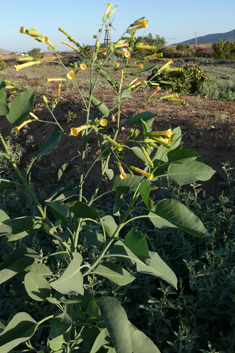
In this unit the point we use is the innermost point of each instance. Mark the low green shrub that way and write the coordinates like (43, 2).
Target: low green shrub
(188, 80)
(3, 65)
(219, 89)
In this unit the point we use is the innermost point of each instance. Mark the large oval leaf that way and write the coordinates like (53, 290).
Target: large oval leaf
(116, 321)
(146, 116)
(158, 268)
(19, 330)
(20, 107)
(182, 174)
(71, 282)
(114, 273)
(171, 213)
(37, 286)
(50, 143)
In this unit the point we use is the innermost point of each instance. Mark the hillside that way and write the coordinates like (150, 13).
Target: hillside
(212, 38)
(3, 51)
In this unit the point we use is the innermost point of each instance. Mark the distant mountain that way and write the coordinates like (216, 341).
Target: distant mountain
(2, 51)
(212, 38)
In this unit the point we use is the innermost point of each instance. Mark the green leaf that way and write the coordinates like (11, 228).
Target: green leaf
(4, 228)
(56, 344)
(144, 191)
(116, 321)
(107, 75)
(50, 143)
(146, 116)
(20, 107)
(126, 93)
(182, 155)
(71, 282)
(109, 225)
(90, 334)
(171, 213)
(21, 227)
(37, 286)
(2, 84)
(59, 209)
(137, 243)
(94, 238)
(4, 109)
(5, 183)
(40, 269)
(182, 174)
(114, 273)
(147, 67)
(158, 268)
(16, 262)
(101, 107)
(81, 210)
(99, 341)
(124, 185)
(60, 324)
(19, 330)
(142, 343)
(3, 95)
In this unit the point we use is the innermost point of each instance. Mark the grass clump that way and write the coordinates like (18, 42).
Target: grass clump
(219, 89)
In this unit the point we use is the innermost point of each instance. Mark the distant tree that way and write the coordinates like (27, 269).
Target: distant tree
(36, 53)
(222, 49)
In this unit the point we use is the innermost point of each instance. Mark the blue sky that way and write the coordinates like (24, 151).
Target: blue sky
(174, 20)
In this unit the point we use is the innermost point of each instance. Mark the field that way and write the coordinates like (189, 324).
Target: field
(208, 124)
(198, 316)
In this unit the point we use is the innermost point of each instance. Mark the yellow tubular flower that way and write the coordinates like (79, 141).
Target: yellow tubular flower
(103, 122)
(174, 95)
(107, 10)
(164, 142)
(143, 172)
(140, 24)
(17, 128)
(104, 52)
(158, 88)
(55, 79)
(141, 66)
(33, 33)
(121, 170)
(22, 30)
(120, 45)
(114, 143)
(81, 67)
(22, 66)
(110, 14)
(48, 42)
(58, 90)
(167, 133)
(75, 130)
(165, 66)
(138, 84)
(70, 45)
(149, 47)
(70, 75)
(126, 53)
(34, 116)
(147, 156)
(67, 35)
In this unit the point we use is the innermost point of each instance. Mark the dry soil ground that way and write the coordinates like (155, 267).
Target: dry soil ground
(208, 124)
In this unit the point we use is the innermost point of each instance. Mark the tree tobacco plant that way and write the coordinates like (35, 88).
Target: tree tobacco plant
(80, 320)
